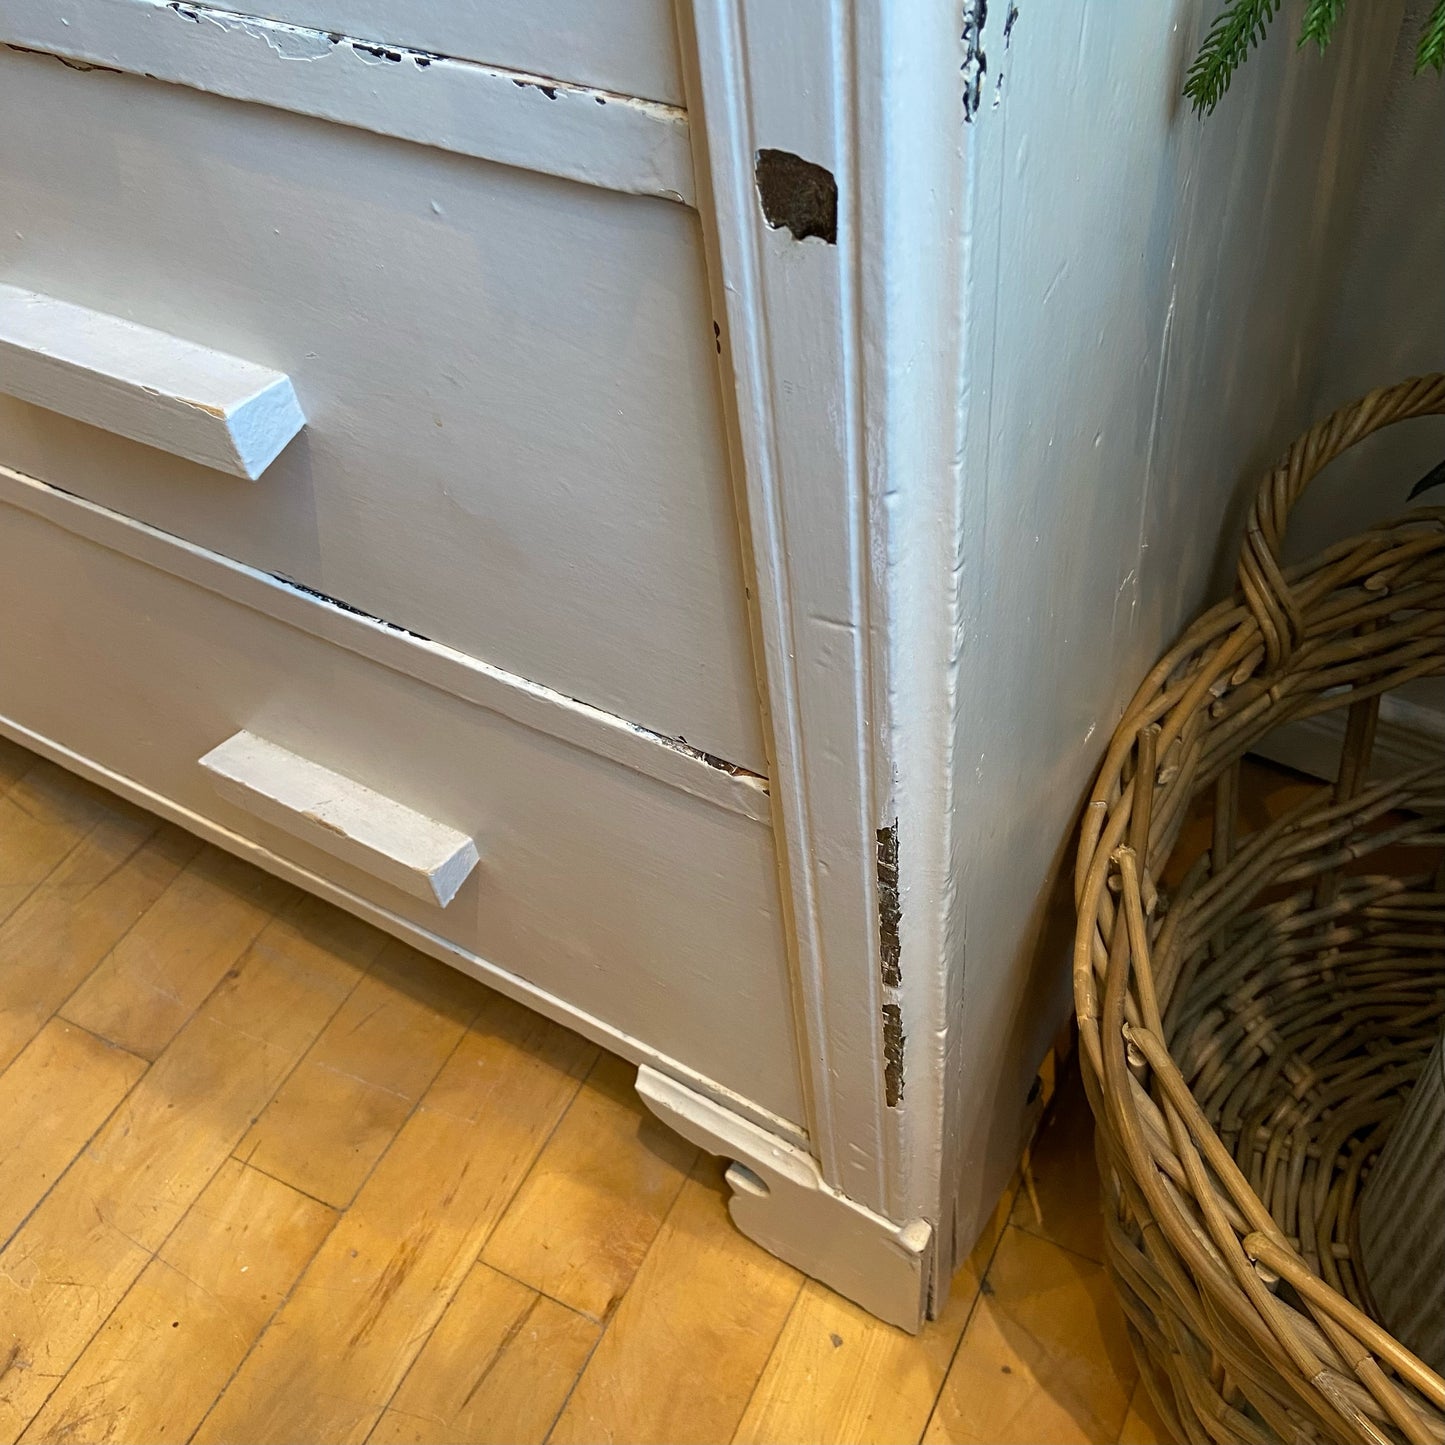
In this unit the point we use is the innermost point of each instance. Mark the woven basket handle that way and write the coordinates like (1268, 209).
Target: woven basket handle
(1261, 578)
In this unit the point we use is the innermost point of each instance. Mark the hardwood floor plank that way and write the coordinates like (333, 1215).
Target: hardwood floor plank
(145, 990)
(1045, 1355)
(596, 1197)
(1143, 1425)
(838, 1374)
(15, 762)
(77, 915)
(334, 1355)
(686, 1346)
(163, 1356)
(52, 1099)
(333, 1118)
(495, 1371)
(1065, 1177)
(78, 1253)
(42, 817)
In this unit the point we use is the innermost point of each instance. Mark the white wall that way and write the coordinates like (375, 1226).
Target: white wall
(1146, 330)
(1388, 310)
(1386, 322)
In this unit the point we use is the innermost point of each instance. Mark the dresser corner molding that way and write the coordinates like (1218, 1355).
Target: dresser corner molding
(780, 1201)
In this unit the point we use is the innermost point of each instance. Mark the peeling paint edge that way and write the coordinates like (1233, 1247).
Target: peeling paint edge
(975, 60)
(894, 1042)
(890, 963)
(677, 745)
(65, 60)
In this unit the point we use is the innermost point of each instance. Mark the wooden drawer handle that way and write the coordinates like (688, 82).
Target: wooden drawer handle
(343, 817)
(143, 384)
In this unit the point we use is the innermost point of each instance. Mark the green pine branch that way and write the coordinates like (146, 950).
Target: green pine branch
(1321, 17)
(1430, 54)
(1242, 25)
(1233, 35)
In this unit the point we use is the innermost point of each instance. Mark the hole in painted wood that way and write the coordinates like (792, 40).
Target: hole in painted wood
(798, 194)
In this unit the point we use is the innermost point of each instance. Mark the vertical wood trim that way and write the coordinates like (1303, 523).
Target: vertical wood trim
(845, 363)
(772, 80)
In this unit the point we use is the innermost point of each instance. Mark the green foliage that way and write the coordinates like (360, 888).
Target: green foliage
(1321, 16)
(1232, 36)
(1430, 54)
(1242, 25)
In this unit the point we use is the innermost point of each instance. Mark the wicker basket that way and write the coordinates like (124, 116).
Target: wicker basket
(1249, 1036)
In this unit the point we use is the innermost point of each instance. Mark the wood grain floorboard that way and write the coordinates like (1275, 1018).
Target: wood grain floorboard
(50, 944)
(153, 1369)
(15, 762)
(334, 1117)
(295, 1182)
(706, 1307)
(334, 1355)
(59, 1091)
(42, 817)
(87, 1241)
(157, 975)
(497, 1369)
(590, 1208)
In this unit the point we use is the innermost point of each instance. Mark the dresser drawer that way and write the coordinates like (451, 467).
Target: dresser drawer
(513, 440)
(648, 909)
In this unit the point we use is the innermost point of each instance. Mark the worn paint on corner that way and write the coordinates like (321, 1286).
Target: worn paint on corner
(890, 911)
(890, 953)
(975, 61)
(893, 1042)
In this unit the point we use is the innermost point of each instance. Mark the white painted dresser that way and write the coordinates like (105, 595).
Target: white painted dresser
(565, 479)
(367, 503)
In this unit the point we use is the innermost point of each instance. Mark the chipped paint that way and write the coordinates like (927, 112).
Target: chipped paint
(975, 61)
(347, 607)
(681, 745)
(890, 909)
(379, 52)
(890, 961)
(1010, 20)
(676, 745)
(797, 195)
(894, 1042)
(65, 60)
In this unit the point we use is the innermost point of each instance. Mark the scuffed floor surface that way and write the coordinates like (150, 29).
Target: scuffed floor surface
(268, 1176)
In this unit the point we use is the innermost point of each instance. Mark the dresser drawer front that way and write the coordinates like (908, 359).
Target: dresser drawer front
(513, 439)
(625, 46)
(646, 908)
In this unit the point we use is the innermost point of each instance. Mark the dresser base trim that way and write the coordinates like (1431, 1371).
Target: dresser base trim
(779, 1200)
(789, 1136)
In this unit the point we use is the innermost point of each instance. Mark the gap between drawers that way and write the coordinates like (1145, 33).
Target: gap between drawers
(667, 760)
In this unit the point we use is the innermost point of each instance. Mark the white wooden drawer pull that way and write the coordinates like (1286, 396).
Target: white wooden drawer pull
(345, 818)
(144, 384)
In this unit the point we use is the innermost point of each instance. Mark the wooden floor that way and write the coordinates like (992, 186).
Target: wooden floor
(266, 1175)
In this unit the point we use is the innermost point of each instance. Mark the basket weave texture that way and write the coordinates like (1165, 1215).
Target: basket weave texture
(1249, 1036)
